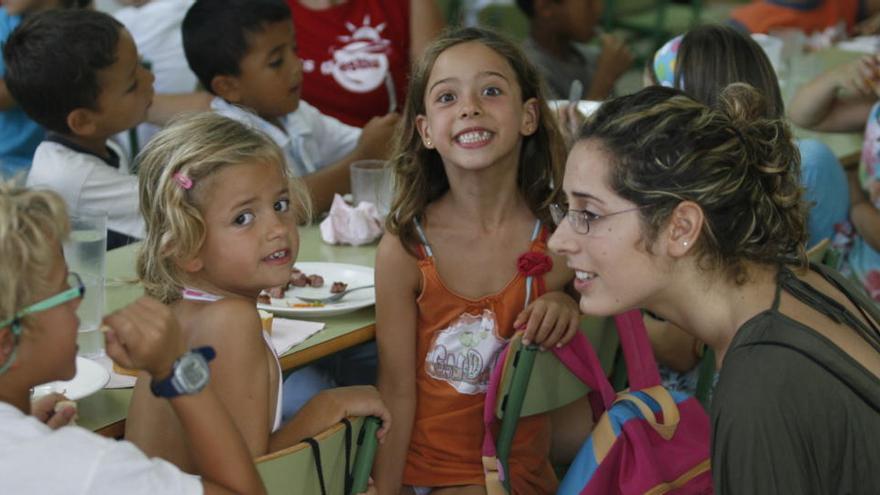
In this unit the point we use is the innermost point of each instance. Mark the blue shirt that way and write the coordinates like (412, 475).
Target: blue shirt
(826, 190)
(19, 135)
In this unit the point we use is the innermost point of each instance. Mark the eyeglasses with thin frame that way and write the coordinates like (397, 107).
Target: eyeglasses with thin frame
(580, 220)
(76, 290)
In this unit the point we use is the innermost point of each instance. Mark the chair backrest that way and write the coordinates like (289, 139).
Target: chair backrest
(293, 469)
(550, 385)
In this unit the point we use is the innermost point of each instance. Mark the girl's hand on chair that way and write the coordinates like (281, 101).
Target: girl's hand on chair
(551, 320)
(362, 400)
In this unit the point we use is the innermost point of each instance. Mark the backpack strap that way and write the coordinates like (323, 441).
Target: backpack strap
(640, 364)
(316, 452)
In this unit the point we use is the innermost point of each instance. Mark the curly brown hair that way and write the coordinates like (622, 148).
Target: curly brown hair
(419, 174)
(739, 166)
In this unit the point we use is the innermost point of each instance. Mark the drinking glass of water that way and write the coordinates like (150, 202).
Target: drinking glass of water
(84, 251)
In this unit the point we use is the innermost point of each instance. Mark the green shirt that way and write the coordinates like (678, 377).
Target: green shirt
(792, 412)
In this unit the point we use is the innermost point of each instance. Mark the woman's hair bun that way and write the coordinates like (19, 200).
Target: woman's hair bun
(742, 103)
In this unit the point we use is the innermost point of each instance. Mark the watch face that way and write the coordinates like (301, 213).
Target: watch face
(192, 373)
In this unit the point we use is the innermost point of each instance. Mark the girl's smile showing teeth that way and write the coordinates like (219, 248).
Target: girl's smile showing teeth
(584, 275)
(280, 256)
(473, 138)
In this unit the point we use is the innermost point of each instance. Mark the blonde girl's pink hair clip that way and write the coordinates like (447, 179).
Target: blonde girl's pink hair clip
(183, 181)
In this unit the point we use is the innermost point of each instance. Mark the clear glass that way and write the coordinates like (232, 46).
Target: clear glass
(85, 252)
(372, 181)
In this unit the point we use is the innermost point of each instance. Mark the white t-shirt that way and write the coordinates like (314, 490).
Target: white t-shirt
(155, 28)
(87, 182)
(310, 139)
(74, 461)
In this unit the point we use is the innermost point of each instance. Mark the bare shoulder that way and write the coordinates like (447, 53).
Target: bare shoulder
(228, 323)
(395, 264)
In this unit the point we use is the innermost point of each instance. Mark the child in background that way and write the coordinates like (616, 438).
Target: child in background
(38, 326)
(244, 52)
(221, 213)
(357, 54)
(557, 29)
(19, 135)
(77, 73)
(708, 58)
(464, 265)
(845, 99)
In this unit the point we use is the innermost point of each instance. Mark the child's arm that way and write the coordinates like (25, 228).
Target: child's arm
(552, 319)
(328, 408)
(425, 23)
(614, 60)
(239, 375)
(397, 286)
(145, 336)
(839, 100)
(167, 106)
(335, 178)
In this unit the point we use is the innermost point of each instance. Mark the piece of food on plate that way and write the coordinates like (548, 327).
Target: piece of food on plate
(338, 287)
(264, 298)
(315, 304)
(266, 320)
(316, 281)
(299, 280)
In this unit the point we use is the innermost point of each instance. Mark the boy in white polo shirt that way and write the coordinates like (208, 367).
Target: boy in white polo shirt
(244, 52)
(77, 73)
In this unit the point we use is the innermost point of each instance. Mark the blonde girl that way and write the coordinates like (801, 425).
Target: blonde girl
(221, 214)
(39, 453)
(476, 160)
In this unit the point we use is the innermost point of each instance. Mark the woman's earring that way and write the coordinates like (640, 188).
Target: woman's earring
(427, 143)
(685, 243)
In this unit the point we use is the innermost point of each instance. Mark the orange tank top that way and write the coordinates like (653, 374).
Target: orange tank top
(761, 16)
(457, 344)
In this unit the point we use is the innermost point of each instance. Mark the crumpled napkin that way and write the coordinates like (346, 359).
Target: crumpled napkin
(287, 333)
(355, 225)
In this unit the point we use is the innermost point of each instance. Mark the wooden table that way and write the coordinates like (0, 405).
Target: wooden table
(105, 411)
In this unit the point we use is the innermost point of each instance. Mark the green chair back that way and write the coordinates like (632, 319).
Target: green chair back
(534, 382)
(550, 385)
(293, 469)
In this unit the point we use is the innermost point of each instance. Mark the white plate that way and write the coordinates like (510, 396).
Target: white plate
(90, 377)
(353, 275)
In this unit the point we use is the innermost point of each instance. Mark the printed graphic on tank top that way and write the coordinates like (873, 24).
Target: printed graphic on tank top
(464, 353)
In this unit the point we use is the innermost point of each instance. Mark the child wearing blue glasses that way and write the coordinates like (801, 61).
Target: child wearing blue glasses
(38, 328)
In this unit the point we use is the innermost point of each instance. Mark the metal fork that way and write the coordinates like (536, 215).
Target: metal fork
(333, 297)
